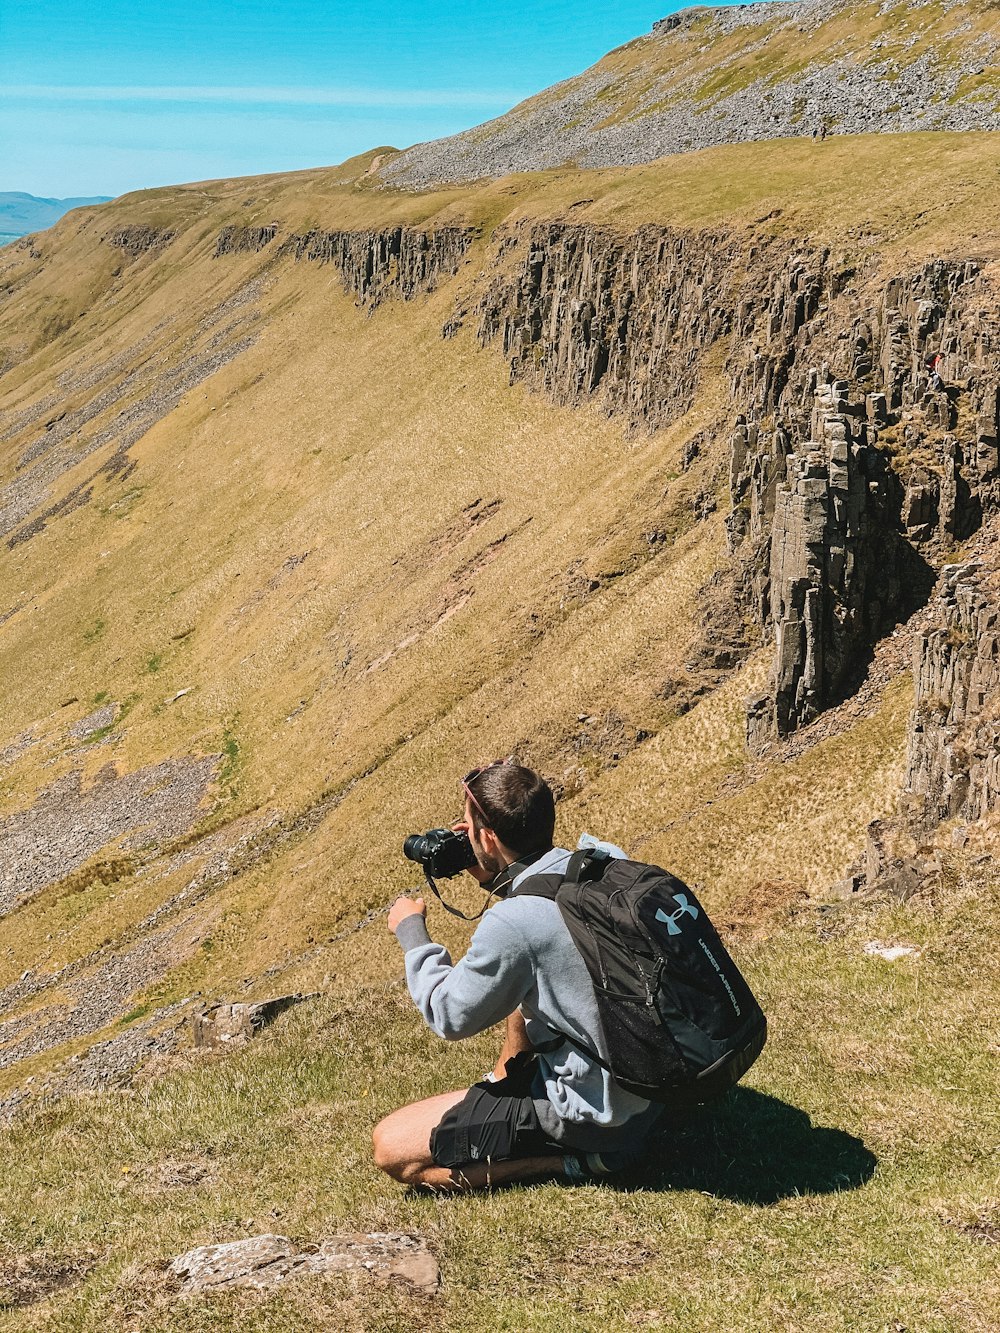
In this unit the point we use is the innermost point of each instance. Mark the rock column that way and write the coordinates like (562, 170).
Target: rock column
(953, 758)
(831, 570)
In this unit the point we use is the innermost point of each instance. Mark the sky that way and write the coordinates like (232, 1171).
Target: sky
(98, 97)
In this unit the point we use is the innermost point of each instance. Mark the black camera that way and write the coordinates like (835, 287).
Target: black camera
(442, 853)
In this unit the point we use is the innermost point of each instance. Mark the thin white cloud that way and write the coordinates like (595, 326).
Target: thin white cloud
(267, 96)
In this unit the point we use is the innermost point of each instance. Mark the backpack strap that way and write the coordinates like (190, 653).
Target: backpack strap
(583, 865)
(539, 886)
(561, 1038)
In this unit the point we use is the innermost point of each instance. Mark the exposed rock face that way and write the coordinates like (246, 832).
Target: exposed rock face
(922, 358)
(137, 240)
(953, 745)
(953, 759)
(244, 240)
(842, 509)
(866, 439)
(587, 310)
(832, 562)
(400, 261)
(264, 1261)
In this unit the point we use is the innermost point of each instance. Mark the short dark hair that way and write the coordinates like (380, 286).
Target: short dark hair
(518, 806)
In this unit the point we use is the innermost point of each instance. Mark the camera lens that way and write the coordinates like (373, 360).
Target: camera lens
(442, 852)
(415, 848)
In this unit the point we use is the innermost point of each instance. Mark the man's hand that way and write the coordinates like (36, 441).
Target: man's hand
(404, 907)
(475, 870)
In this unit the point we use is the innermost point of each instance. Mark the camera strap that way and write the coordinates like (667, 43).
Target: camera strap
(454, 910)
(496, 887)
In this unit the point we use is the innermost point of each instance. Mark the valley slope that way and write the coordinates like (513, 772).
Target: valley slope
(314, 493)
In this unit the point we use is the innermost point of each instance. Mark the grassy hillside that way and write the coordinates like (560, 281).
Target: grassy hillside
(340, 561)
(711, 75)
(718, 60)
(850, 1186)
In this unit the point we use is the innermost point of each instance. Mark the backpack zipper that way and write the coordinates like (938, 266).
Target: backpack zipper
(582, 916)
(651, 987)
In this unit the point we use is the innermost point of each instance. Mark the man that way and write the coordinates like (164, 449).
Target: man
(547, 1109)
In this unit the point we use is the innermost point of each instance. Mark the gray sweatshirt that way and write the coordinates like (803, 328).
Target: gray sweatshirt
(522, 955)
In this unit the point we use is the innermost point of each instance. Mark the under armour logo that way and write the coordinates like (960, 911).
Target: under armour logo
(670, 921)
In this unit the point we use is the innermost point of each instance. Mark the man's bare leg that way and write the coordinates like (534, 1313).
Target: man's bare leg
(402, 1139)
(402, 1149)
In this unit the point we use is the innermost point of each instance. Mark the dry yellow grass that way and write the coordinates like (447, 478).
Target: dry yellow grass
(356, 442)
(359, 442)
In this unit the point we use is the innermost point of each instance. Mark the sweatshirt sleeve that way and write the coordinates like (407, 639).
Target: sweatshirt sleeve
(460, 999)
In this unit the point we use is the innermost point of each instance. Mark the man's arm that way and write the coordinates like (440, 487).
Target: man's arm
(461, 999)
(515, 1040)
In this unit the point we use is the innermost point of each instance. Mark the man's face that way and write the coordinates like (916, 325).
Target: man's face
(487, 856)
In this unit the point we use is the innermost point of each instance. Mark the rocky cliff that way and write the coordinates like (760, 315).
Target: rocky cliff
(398, 261)
(583, 311)
(864, 450)
(953, 759)
(138, 239)
(244, 240)
(866, 434)
(868, 447)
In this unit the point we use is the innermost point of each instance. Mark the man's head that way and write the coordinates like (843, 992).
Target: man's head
(510, 811)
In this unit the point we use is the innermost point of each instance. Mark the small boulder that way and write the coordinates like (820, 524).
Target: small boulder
(264, 1261)
(222, 1025)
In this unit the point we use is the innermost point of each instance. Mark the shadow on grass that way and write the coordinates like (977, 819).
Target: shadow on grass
(752, 1148)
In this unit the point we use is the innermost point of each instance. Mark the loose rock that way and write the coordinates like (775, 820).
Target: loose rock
(264, 1261)
(235, 1024)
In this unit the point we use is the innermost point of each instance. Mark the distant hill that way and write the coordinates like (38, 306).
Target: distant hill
(712, 75)
(24, 213)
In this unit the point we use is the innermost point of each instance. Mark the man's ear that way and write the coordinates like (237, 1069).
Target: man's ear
(489, 839)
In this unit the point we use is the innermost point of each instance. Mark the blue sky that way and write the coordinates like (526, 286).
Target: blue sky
(103, 96)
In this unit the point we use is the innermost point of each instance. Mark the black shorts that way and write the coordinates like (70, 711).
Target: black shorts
(494, 1122)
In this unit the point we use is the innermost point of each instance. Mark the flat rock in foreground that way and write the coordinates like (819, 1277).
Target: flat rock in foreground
(264, 1261)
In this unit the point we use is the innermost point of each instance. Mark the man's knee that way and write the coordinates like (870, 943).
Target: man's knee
(390, 1152)
(383, 1148)
(401, 1142)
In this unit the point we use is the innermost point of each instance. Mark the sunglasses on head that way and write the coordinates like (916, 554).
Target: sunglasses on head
(475, 773)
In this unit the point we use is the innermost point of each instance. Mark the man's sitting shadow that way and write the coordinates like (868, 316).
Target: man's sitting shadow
(751, 1148)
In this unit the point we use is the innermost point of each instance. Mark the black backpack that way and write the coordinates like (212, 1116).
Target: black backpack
(679, 1022)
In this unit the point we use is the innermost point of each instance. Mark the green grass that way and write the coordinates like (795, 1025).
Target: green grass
(838, 1190)
(228, 778)
(133, 1015)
